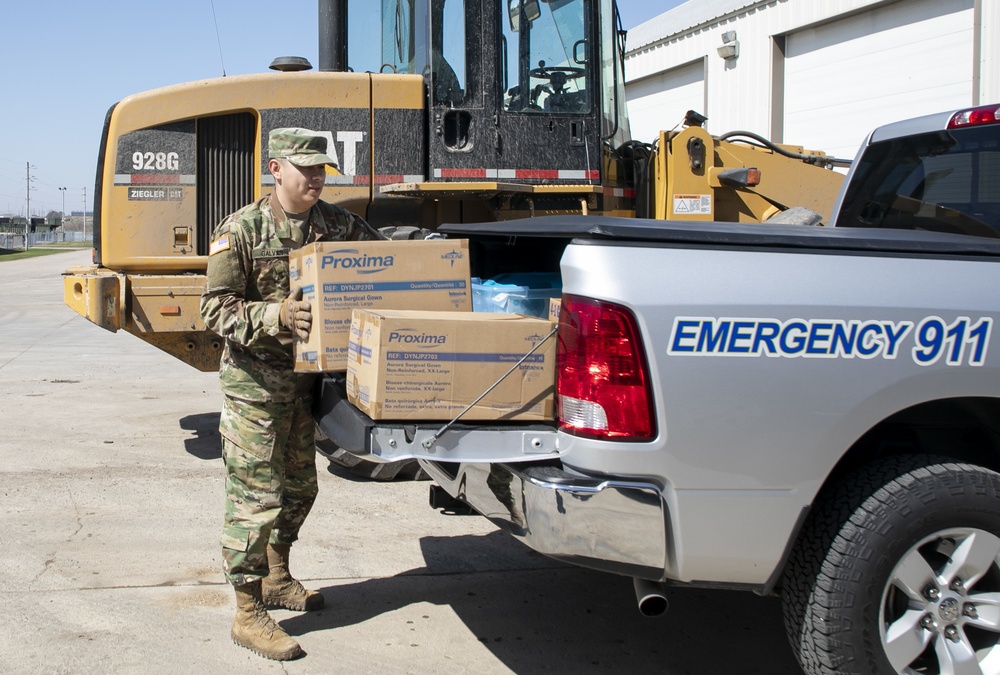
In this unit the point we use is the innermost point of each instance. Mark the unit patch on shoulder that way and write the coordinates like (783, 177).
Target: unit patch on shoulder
(219, 245)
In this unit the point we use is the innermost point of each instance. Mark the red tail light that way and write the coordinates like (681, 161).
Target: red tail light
(603, 380)
(989, 114)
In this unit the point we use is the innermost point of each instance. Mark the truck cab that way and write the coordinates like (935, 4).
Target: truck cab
(936, 173)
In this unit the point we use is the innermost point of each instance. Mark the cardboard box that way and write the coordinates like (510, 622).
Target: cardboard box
(411, 365)
(555, 307)
(337, 277)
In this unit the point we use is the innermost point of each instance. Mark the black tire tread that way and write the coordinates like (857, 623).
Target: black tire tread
(832, 550)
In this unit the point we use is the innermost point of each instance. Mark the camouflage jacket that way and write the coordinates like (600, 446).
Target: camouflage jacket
(247, 281)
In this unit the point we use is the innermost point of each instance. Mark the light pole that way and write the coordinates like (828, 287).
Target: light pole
(62, 221)
(85, 214)
(27, 209)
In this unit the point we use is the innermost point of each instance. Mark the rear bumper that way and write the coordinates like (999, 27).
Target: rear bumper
(506, 472)
(613, 525)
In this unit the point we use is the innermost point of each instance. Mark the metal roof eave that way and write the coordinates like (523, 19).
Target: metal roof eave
(682, 19)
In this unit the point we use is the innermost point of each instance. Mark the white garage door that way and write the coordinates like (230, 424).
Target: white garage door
(661, 101)
(844, 78)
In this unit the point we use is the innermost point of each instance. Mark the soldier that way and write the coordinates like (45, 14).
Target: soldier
(266, 423)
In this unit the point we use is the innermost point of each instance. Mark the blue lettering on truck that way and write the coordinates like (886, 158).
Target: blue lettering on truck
(962, 341)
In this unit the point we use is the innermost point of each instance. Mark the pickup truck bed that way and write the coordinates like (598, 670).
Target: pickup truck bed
(710, 500)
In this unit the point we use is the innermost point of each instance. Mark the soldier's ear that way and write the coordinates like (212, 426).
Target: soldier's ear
(275, 167)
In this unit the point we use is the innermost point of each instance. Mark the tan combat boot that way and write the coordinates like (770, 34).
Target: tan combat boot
(254, 628)
(281, 589)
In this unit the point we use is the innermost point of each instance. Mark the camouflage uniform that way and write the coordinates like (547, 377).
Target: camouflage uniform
(266, 423)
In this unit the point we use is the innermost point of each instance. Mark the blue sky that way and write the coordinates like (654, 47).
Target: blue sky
(67, 62)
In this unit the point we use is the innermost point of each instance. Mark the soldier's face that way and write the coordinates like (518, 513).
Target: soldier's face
(298, 187)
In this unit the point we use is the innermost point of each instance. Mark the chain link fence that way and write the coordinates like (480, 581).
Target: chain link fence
(16, 241)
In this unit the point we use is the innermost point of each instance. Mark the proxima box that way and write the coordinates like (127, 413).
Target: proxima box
(412, 365)
(339, 276)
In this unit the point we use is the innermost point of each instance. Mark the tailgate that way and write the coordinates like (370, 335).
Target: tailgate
(386, 441)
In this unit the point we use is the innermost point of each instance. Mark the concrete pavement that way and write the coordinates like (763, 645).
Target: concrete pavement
(110, 508)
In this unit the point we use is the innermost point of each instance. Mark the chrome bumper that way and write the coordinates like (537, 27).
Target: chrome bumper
(616, 525)
(611, 525)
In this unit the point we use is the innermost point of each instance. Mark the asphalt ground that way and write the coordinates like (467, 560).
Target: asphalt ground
(111, 501)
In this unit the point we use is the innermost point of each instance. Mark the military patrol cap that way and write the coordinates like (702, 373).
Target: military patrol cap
(301, 147)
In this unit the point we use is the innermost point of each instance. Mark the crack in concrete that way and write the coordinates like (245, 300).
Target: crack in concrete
(38, 342)
(45, 568)
(79, 526)
(79, 518)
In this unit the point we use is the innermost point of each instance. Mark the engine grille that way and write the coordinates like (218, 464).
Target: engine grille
(225, 170)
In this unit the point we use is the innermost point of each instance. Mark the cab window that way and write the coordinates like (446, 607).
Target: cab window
(547, 63)
(947, 181)
(431, 38)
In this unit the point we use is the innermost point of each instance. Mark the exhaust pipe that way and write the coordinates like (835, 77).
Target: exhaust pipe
(332, 35)
(651, 597)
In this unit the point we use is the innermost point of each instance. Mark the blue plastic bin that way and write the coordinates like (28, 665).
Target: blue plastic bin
(525, 293)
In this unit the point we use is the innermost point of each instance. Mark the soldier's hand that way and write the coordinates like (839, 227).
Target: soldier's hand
(296, 314)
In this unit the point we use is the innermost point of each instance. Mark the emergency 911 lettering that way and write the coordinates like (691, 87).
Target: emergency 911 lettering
(963, 341)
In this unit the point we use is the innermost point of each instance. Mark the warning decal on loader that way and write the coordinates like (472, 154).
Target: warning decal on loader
(686, 205)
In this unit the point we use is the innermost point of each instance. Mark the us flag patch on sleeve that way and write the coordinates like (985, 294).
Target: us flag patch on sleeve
(219, 245)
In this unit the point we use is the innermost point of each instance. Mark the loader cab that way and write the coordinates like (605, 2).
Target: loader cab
(518, 90)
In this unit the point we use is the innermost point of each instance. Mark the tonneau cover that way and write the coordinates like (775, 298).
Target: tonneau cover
(584, 228)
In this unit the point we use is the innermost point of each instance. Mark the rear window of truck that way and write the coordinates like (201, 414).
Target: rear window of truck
(945, 181)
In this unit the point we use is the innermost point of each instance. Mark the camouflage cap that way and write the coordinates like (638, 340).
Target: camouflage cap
(301, 147)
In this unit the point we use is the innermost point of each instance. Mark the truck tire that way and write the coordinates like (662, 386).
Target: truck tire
(898, 571)
(387, 471)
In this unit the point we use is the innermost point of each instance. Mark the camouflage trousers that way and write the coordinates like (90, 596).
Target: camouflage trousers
(270, 455)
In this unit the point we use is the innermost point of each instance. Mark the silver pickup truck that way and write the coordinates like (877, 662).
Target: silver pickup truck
(811, 412)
